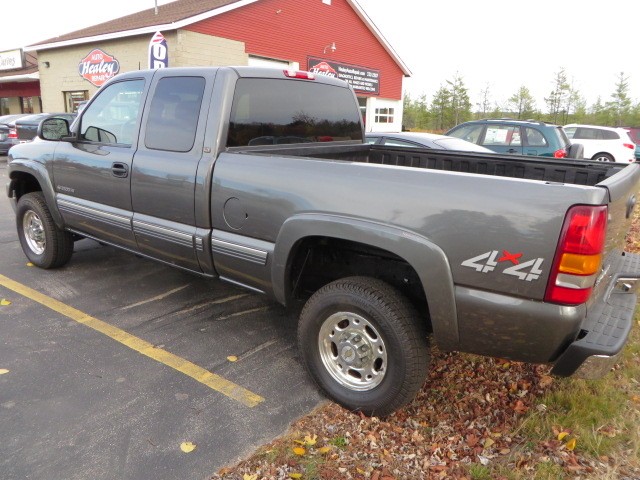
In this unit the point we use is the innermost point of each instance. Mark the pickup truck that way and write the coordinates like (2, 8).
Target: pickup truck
(261, 177)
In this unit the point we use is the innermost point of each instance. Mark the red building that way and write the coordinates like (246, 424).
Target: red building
(330, 37)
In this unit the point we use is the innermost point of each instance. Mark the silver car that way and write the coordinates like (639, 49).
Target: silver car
(424, 140)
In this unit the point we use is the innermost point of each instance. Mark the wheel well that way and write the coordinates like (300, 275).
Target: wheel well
(321, 260)
(22, 183)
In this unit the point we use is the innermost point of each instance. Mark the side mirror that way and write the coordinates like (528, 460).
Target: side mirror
(53, 129)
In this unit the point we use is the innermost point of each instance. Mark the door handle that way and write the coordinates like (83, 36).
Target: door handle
(512, 150)
(120, 170)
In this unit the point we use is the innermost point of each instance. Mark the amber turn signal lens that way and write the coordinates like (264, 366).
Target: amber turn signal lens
(579, 264)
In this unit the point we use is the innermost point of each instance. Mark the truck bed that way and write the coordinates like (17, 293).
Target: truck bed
(577, 172)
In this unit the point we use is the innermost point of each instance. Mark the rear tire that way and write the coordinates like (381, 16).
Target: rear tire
(44, 244)
(603, 157)
(364, 344)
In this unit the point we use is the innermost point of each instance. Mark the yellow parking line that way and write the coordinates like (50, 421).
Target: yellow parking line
(211, 380)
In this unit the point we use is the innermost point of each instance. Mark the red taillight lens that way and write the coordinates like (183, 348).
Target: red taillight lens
(630, 145)
(13, 133)
(584, 230)
(299, 74)
(578, 256)
(562, 153)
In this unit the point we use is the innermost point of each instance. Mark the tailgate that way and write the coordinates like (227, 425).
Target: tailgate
(611, 308)
(623, 188)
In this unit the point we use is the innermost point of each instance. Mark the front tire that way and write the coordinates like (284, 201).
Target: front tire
(44, 244)
(364, 344)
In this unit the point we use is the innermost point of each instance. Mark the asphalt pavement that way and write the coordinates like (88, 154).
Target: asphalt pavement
(109, 364)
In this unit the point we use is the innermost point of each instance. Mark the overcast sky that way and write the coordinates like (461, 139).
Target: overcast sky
(502, 44)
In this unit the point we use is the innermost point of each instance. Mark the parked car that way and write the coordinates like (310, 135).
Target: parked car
(8, 134)
(518, 137)
(27, 127)
(424, 140)
(604, 144)
(634, 133)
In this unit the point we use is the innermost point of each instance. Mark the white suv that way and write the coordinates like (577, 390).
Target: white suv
(604, 144)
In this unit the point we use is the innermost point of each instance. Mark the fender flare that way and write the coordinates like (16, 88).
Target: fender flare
(426, 258)
(40, 173)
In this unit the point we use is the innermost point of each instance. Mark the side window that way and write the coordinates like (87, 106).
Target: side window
(470, 133)
(609, 135)
(111, 118)
(570, 131)
(392, 142)
(535, 138)
(174, 112)
(584, 133)
(502, 135)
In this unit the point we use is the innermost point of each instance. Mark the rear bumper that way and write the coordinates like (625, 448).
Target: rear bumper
(606, 328)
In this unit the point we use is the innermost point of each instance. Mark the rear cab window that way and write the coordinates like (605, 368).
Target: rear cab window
(273, 111)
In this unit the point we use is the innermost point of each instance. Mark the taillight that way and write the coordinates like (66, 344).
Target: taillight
(299, 74)
(13, 133)
(579, 255)
(562, 153)
(630, 145)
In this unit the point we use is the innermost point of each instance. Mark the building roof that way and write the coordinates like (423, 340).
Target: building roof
(174, 15)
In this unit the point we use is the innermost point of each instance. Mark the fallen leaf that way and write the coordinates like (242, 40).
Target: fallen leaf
(3, 371)
(4, 302)
(249, 476)
(324, 450)
(299, 451)
(488, 443)
(232, 358)
(187, 447)
(520, 407)
(571, 444)
(545, 381)
(295, 475)
(310, 440)
(29, 264)
(561, 435)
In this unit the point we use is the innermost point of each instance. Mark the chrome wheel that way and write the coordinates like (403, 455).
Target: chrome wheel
(34, 232)
(352, 351)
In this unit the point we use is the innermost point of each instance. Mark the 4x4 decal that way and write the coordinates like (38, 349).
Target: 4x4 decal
(488, 261)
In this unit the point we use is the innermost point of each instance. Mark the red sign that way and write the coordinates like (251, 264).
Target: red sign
(98, 67)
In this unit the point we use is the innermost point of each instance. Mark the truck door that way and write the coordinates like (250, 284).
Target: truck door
(163, 180)
(92, 175)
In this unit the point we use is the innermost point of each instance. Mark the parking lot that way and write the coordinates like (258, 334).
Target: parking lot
(114, 361)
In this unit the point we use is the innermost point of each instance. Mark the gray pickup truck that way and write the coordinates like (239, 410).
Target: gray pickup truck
(261, 177)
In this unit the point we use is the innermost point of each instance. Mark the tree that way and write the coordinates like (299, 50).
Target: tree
(485, 102)
(620, 104)
(460, 106)
(439, 106)
(522, 103)
(558, 96)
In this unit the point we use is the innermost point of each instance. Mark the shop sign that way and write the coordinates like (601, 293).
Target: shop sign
(361, 79)
(98, 67)
(11, 60)
(158, 52)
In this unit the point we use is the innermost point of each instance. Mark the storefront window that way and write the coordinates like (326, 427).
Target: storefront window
(4, 106)
(73, 99)
(27, 104)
